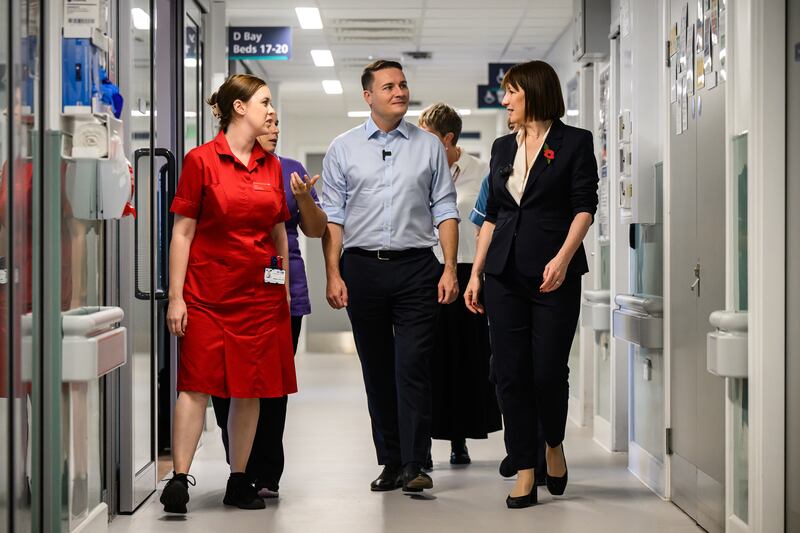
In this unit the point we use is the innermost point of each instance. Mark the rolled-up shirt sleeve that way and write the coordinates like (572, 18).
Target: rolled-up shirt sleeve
(334, 187)
(583, 192)
(189, 196)
(443, 190)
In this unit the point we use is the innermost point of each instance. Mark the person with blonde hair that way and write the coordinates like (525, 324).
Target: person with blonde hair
(463, 398)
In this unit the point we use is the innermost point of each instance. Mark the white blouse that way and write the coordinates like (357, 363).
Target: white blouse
(468, 173)
(519, 176)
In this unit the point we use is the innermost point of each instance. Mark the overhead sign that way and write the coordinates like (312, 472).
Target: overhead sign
(490, 97)
(497, 72)
(260, 43)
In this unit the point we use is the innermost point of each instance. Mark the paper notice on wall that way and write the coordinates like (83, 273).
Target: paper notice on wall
(676, 113)
(699, 58)
(673, 81)
(690, 60)
(82, 17)
(685, 108)
(721, 36)
(713, 34)
(684, 18)
(707, 59)
(673, 39)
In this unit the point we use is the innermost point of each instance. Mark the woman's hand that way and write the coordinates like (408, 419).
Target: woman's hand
(554, 274)
(302, 186)
(472, 293)
(177, 317)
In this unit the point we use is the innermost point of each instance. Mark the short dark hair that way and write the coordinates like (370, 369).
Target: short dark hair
(443, 119)
(375, 66)
(543, 97)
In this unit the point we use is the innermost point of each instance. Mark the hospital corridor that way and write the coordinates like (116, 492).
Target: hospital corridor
(379, 267)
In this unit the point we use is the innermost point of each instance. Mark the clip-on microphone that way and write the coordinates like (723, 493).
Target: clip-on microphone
(385, 154)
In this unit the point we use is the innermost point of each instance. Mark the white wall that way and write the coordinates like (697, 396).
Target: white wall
(560, 58)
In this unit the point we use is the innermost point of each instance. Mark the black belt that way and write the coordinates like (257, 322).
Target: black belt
(388, 255)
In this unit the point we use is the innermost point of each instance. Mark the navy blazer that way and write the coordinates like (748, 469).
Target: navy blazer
(556, 191)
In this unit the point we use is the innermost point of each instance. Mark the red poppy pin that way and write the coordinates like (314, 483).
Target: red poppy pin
(548, 154)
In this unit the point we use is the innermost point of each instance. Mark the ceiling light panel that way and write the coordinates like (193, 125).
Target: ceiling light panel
(322, 58)
(332, 86)
(309, 18)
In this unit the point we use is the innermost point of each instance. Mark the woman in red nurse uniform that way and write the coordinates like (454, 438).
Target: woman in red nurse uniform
(234, 325)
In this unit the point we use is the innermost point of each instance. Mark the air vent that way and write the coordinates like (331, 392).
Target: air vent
(361, 62)
(417, 56)
(366, 30)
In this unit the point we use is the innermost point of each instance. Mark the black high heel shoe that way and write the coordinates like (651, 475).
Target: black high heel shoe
(521, 502)
(557, 485)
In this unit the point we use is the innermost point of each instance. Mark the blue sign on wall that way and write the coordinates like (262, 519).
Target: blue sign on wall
(497, 71)
(490, 97)
(265, 43)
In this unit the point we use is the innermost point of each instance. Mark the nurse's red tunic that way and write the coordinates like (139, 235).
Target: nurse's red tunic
(238, 341)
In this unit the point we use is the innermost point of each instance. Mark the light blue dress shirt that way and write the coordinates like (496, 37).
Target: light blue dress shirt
(392, 202)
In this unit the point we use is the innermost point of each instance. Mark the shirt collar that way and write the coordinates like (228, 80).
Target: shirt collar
(370, 128)
(223, 148)
(461, 163)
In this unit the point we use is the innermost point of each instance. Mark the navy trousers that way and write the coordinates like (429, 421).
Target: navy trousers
(532, 335)
(393, 309)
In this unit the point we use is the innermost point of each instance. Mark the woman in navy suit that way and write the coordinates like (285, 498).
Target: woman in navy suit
(542, 200)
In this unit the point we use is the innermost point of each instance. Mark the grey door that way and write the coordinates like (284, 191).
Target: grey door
(697, 287)
(792, 268)
(148, 78)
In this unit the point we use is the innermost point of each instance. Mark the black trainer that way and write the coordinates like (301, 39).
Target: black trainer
(241, 493)
(175, 495)
(266, 490)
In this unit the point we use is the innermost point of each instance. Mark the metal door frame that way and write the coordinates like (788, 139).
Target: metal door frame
(134, 487)
(757, 52)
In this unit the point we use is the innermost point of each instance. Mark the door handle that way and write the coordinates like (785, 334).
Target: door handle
(137, 155)
(696, 283)
(166, 177)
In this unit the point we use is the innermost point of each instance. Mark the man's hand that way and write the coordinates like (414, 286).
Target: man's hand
(448, 285)
(337, 292)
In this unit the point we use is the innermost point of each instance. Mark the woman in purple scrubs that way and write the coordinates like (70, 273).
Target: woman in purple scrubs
(265, 466)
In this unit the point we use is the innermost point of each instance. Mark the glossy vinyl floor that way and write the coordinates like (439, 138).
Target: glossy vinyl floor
(330, 462)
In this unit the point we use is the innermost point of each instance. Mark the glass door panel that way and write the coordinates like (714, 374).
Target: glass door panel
(137, 460)
(192, 79)
(29, 501)
(7, 435)
(737, 390)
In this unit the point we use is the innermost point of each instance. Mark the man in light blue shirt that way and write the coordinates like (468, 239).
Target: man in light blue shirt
(387, 186)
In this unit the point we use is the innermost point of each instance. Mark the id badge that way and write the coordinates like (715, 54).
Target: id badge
(274, 276)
